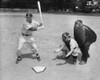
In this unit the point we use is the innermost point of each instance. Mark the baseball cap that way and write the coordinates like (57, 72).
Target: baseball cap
(79, 21)
(29, 15)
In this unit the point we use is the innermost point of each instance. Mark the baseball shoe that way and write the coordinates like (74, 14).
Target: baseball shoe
(74, 61)
(82, 63)
(18, 59)
(38, 57)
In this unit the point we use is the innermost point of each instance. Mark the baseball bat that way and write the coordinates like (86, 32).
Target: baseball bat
(39, 7)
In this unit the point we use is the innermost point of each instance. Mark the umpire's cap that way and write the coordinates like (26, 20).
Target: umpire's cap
(29, 15)
(79, 21)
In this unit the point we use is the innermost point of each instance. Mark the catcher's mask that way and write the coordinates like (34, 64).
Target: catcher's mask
(65, 36)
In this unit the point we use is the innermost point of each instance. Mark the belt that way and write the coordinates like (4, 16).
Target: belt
(26, 34)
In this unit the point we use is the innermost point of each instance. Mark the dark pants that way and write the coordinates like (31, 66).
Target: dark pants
(74, 57)
(85, 54)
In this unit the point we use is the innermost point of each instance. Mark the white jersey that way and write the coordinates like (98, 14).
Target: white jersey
(74, 45)
(25, 31)
(27, 25)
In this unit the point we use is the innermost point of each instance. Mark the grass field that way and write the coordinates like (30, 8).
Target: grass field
(47, 40)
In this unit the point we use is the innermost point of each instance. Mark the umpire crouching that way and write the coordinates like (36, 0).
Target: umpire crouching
(84, 36)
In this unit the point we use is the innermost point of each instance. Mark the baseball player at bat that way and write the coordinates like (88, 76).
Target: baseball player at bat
(26, 36)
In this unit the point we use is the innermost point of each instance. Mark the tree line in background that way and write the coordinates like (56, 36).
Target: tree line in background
(62, 5)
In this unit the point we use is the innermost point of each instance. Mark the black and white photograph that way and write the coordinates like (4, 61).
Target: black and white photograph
(49, 39)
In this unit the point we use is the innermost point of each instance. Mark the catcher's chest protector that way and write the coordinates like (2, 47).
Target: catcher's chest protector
(67, 43)
(90, 34)
(84, 35)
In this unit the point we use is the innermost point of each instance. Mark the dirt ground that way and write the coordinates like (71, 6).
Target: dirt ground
(47, 40)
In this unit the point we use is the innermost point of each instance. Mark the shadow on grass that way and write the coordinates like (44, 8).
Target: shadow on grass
(68, 60)
(29, 55)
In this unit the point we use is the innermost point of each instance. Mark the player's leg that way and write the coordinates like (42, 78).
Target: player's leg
(84, 55)
(34, 48)
(20, 45)
(62, 55)
(65, 50)
(74, 59)
(86, 52)
(87, 46)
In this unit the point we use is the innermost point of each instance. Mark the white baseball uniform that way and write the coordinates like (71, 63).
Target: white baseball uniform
(27, 35)
(74, 46)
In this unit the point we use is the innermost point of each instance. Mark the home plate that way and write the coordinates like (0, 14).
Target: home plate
(39, 69)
